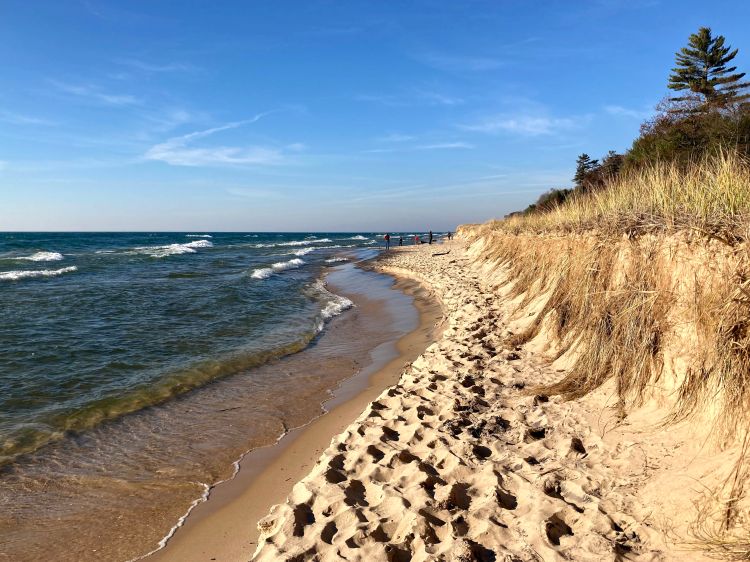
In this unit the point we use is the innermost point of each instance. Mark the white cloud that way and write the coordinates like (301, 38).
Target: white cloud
(177, 152)
(626, 112)
(21, 119)
(443, 145)
(151, 67)
(436, 98)
(411, 97)
(444, 61)
(95, 94)
(395, 137)
(525, 125)
(435, 146)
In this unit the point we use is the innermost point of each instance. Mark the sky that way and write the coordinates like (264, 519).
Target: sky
(320, 115)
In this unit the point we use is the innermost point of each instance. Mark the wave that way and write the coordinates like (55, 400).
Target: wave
(334, 304)
(266, 272)
(198, 236)
(357, 237)
(336, 259)
(172, 249)
(303, 251)
(17, 275)
(42, 256)
(304, 242)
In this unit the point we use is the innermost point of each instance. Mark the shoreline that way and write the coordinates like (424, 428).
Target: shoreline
(223, 527)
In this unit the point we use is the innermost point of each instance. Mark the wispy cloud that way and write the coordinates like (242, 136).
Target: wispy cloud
(435, 146)
(21, 119)
(155, 67)
(460, 63)
(178, 152)
(95, 94)
(437, 98)
(444, 145)
(395, 137)
(525, 125)
(627, 112)
(412, 97)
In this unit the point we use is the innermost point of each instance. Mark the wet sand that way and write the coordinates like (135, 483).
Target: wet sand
(223, 528)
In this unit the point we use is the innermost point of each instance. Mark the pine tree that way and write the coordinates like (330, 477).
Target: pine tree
(584, 165)
(611, 164)
(702, 69)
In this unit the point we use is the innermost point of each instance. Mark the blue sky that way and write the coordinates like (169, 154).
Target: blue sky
(320, 115)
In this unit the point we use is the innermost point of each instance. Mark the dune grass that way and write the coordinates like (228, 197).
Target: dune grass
(654, 266)
(711, 196)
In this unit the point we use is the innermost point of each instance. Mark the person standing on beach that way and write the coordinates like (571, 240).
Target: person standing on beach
(387, 241)
(416, 239)
(430, 237)
(400, 240)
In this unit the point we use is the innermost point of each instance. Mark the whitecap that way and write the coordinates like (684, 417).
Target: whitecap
(173, 249)
(304, 242)
(334, 304)
(303, 251)
(17, 275)
(43, 256)
(262, 273)
(266, 272)
(198, 236)
(336, 259)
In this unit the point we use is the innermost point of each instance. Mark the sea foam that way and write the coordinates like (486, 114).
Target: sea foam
(43, 256)
(27, 274)
(173, 249)
(198, 236)
(266, 272)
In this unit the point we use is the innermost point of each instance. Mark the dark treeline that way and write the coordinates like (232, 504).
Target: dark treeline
(709, 113)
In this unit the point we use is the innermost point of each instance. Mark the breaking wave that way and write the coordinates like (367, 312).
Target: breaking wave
(266, 272)
(28, 274)
(172, 249)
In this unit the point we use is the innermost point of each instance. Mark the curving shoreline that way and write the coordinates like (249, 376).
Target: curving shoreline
(218, 528)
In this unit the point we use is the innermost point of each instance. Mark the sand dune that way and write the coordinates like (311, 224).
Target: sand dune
(458, 461)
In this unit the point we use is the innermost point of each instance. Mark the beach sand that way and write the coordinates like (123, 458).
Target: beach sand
(459, 461)
(218, 529)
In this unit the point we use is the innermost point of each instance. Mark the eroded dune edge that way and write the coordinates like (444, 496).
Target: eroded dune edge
(467, 459)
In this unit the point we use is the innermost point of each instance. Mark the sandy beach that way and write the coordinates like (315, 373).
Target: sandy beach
(459, 460)
(218, 528)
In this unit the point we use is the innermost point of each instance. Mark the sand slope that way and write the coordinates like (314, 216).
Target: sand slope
(459, 462)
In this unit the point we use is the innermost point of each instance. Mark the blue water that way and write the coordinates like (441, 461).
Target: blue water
(97, 325)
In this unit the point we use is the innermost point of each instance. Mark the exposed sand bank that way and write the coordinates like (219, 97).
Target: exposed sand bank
(458, 461)
(219, 529)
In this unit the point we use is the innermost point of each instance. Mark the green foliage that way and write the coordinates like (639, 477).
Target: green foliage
(682, 138)
(584, 166)
(702, 69)
(547, 201)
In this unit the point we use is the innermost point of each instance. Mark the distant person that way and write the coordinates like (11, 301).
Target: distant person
(387, 241)
(416, 239)
(430, 237)
(400, 240)
(450, 236)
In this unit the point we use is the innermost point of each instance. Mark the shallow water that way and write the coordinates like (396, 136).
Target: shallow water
(111, 489)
